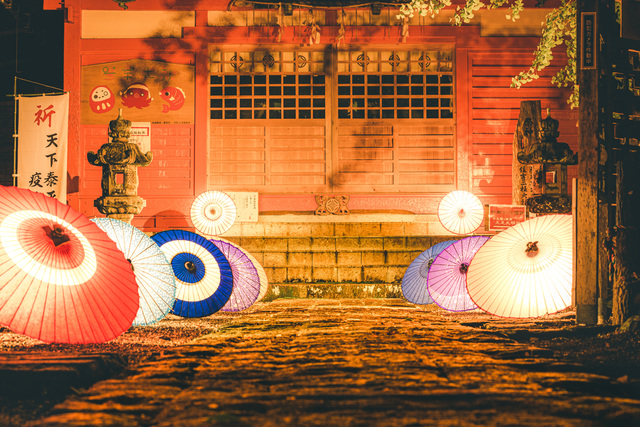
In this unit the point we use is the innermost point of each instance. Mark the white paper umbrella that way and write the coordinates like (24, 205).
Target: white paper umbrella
(414, 281)
(460, 212)
(447, 278)
(262, 275)
(213, 213)
(246, 283)
(62, 279)
(526, 270)
(154, 275)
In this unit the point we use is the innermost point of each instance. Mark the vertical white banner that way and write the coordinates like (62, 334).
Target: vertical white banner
(42, 144)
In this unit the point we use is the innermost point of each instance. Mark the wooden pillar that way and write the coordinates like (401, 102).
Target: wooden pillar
(587, 229)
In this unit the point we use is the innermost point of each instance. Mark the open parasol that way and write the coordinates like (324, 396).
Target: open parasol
(213, 213)
(204, 280)
(246, 282)
(156, 281)
(525, 270)
(262, 275)
(62, 279)
(447, 278)
(460, 212)
(414, 281)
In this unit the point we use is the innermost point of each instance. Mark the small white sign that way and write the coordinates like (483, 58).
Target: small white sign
(141, 135)
(246, 205)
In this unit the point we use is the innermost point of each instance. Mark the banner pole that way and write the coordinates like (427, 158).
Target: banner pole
(15, 131)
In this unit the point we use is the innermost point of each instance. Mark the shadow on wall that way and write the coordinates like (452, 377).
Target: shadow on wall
(165, 220)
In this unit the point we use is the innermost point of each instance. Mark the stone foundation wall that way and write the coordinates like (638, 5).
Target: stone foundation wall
(345, 251)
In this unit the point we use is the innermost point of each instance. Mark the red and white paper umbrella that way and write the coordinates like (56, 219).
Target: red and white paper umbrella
(213, 213)
(526, 270)
(460, 212)
(62, 279)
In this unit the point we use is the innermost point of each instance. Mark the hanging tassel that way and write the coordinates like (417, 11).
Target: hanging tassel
(314, 37)
(405, 29)
(280, 22)
(341, 31)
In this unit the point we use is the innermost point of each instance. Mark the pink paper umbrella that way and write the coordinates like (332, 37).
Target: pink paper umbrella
(447, 277)
(246, 282)
(62, 279)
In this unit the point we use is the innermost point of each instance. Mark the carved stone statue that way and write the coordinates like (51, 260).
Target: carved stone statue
(119, 160)
(548, 150)
(550, 177)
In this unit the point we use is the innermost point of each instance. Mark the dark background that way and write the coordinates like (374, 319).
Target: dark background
(31, 42)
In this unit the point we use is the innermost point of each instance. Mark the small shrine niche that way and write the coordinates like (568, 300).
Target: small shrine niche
(546, 189)
(120, 160)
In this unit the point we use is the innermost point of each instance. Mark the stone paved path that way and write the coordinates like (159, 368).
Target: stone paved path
(352, 363)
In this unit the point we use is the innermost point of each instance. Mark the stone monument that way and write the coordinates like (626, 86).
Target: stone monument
(550, 177)
(119, 160)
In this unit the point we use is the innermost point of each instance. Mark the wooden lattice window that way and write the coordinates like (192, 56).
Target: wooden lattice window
(395, 84)
(267, 85)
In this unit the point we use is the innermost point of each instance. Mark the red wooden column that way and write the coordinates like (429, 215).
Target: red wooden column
(72, 73)
(201, 92)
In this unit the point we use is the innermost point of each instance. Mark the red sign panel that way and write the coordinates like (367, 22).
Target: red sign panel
(505, 216)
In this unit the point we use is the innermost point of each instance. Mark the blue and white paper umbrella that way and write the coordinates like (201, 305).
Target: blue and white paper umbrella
(414, 281)
(155, 278)
(204, 279)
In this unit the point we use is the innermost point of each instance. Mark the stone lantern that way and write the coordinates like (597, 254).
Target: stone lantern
(120, 159)
(550, 159)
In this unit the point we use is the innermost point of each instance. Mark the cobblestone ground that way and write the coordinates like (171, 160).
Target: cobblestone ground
(351, 363)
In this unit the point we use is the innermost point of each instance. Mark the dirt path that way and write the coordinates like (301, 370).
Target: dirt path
(353, 363)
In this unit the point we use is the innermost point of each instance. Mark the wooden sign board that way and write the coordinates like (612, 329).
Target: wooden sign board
(588, 47)
(505, 216)
(146, 91)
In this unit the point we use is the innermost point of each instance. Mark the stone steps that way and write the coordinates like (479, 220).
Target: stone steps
(300, 264)
(333, 290)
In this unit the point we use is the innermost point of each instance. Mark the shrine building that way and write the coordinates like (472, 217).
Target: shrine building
(336, 127)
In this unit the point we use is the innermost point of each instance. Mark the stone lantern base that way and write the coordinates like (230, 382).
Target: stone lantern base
(120, 207)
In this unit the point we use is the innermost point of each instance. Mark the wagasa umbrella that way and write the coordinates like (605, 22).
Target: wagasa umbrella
(460, 212)
(246, 282)
(155, 278)
(213, 213)
(414, 281)
(525, 270)
(447, 277)
(62, 279)
(204, 279)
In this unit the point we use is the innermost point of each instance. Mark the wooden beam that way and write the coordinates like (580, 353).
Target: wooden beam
(586, 266)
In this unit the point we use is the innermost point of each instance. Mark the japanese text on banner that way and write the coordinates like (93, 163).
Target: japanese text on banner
(42, 144)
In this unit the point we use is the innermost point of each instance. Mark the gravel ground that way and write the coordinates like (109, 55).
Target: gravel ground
(602, 349)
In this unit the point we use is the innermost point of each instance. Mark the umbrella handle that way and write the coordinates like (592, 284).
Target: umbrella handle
(57, 235)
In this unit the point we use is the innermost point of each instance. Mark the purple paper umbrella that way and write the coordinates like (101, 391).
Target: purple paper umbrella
(447, 277)
(246, 281)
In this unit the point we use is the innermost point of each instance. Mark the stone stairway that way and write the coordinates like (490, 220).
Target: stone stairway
(336, 266)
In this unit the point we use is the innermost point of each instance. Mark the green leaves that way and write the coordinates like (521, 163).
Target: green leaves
(559, 29)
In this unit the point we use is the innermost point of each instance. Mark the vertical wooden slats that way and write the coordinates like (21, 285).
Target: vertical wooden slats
(494, 115)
